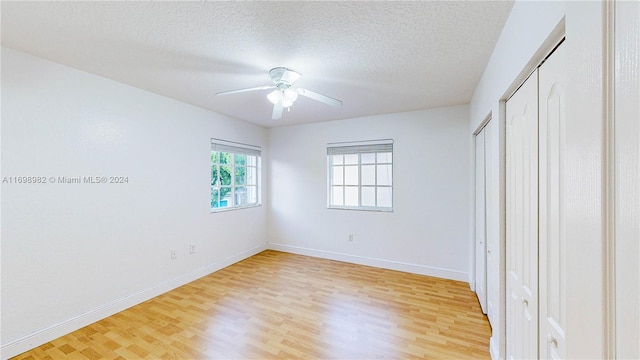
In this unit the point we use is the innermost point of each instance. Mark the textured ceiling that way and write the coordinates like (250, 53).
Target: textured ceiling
(377, 57)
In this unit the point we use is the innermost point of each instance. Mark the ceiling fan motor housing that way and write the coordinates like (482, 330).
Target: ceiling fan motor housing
(284, 77)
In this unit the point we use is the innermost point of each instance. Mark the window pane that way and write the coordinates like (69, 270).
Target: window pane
(214, 175)
(240, 196)
(252, 178)
(361, 180)
(368, 158)
(241, 173)
(368, 175)
(225, 158)
(336, 196)
(225, 197)
(241, 159)
(337, 175)
(225, 174)
(368, 196)
(234, 179)
(351, 159)
(351, 196)
(384, 157)
(252, 194)
(351, 175)
(384, 197)
(384, 175)
(215, 197)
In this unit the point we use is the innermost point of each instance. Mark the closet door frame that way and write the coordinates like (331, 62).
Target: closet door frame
(623, 179)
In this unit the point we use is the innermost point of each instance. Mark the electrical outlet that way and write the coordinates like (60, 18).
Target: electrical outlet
(174, 254)
(350, 237)
(192, 249)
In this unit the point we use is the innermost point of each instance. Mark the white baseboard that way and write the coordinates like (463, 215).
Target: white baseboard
(52, 332)
(381, 263)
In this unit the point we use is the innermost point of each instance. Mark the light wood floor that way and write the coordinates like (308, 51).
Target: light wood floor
(279, 305)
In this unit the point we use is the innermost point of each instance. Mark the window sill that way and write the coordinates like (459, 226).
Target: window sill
(360, 208)
(217, 210)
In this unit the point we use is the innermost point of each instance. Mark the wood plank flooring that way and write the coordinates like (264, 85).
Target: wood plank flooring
(280, 305)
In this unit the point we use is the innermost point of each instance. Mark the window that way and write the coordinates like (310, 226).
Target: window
(361, 175)
(235, 175)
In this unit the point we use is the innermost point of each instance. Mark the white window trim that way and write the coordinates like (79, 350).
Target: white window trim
(245, 149)
(363, 147)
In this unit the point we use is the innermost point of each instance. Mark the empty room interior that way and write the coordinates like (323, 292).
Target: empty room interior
(320, 180)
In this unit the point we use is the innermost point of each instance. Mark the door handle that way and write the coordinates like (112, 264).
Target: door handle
(553, 341)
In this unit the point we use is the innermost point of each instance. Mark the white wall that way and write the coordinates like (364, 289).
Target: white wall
(428, 231)
(74, 253)
(521, 46)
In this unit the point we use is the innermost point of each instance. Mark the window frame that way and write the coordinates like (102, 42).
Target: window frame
(235, 149)
(359, 148)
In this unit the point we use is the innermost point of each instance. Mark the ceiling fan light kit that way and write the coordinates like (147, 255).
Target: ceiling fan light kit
(287, 96)
(284, 94)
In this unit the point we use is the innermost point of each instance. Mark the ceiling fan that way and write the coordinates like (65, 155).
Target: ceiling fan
(284, 94)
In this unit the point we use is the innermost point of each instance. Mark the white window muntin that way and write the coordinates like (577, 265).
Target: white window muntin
(252, 173)
(348, 188)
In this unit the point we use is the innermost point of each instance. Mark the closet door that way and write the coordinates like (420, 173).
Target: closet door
(552, 93)
(522, 221)
(481, 247)
(492, 223)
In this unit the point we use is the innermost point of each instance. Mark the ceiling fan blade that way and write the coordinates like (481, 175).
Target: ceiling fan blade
(277, 110)
(265, 87)
(319, 97)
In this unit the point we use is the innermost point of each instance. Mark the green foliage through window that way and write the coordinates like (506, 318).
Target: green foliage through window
(234, 179)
